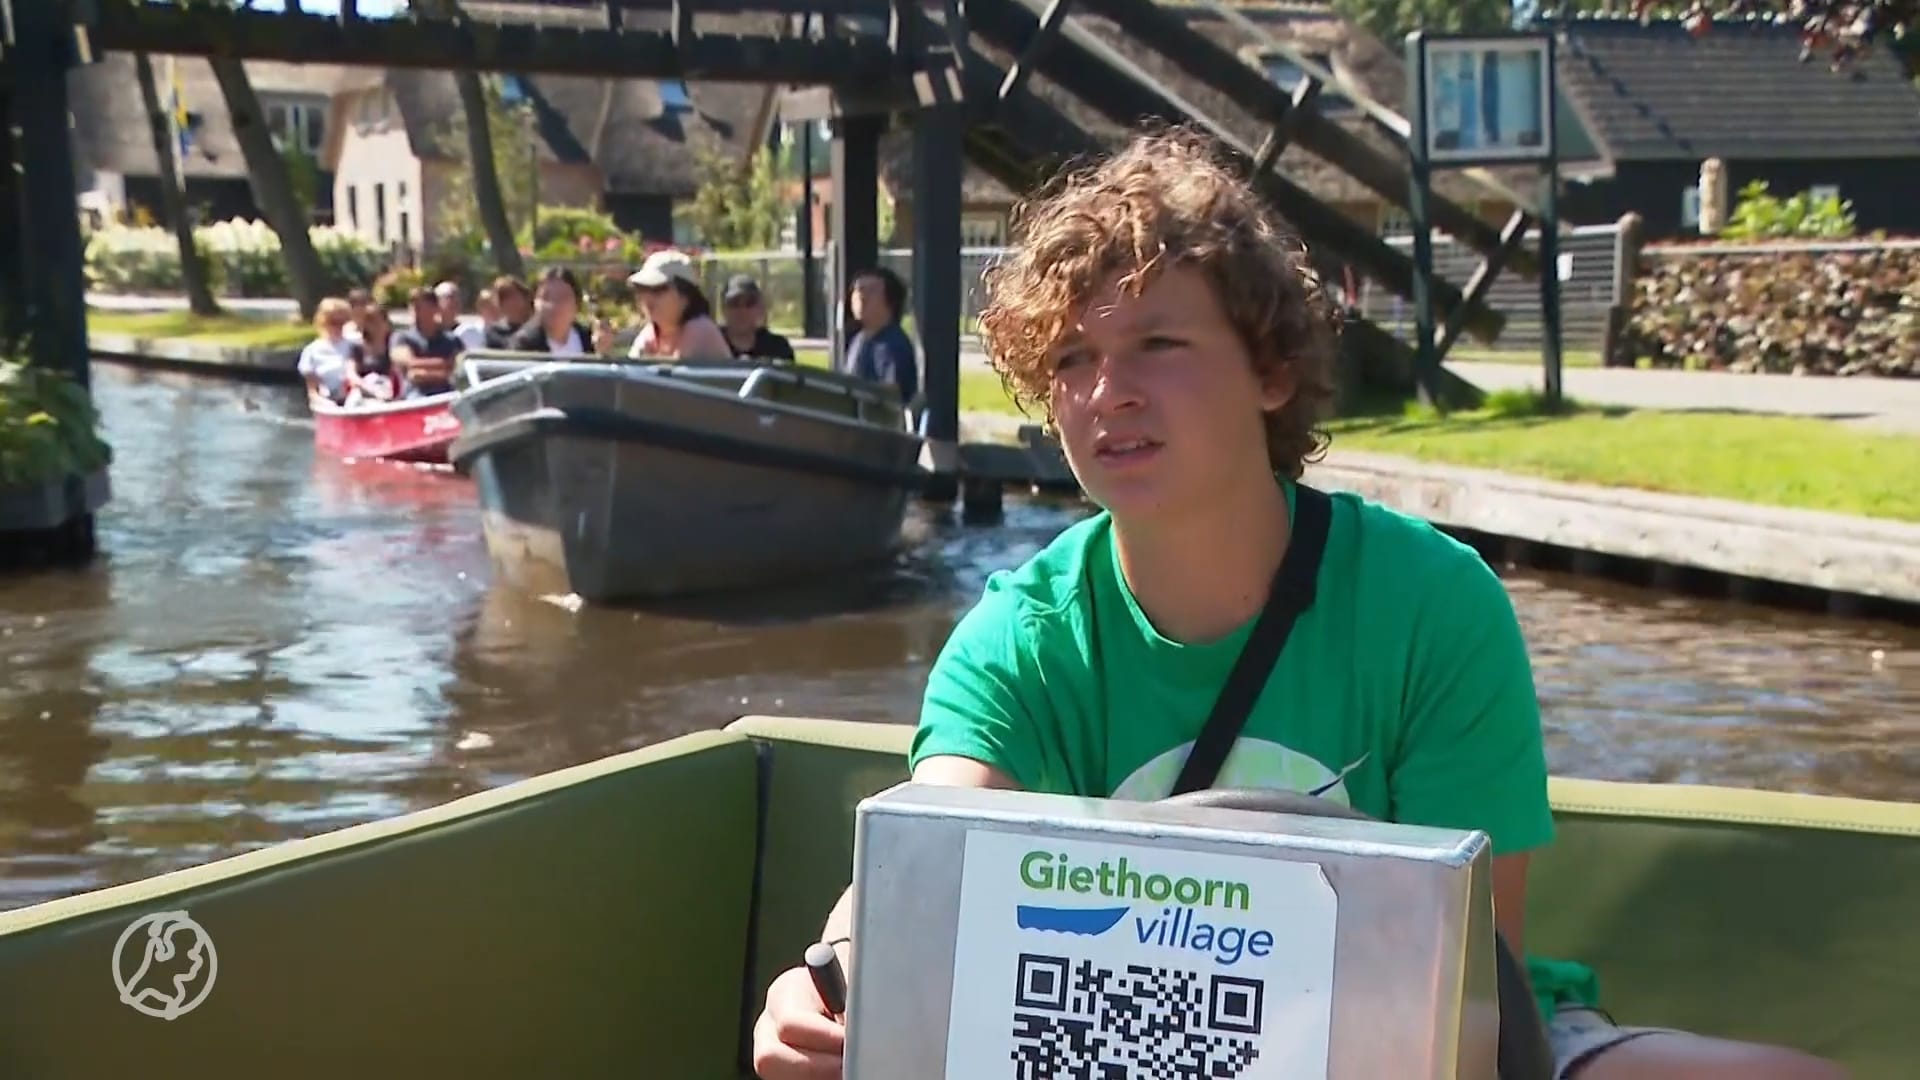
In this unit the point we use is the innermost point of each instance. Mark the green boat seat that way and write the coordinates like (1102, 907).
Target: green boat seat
(1746, 914)
(585, 923)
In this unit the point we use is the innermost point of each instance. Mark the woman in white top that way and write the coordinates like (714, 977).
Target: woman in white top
(680, 322)
(326, 362)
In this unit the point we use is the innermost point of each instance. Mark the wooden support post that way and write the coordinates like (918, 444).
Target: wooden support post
(1043, 38)
(682, 32)
(937, 168)
(53, 277)
(856, 212)
(1626, 271)
(1483, 278)
(1304, 95)
(982, 501)
(812, 312)
(13, 292)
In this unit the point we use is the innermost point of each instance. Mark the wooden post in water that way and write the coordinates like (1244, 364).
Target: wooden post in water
(42, 281)
(938, 128)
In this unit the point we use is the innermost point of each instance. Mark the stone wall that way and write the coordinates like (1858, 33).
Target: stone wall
(1812, 309)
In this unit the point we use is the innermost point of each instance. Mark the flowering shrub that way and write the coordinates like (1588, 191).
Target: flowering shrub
(243, 259)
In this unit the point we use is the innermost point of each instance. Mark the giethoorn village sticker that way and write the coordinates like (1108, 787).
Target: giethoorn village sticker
(1093, 958)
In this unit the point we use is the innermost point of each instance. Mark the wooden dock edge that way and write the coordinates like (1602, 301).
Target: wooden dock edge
(1832, 553)
(273, 365)
(1798, 558)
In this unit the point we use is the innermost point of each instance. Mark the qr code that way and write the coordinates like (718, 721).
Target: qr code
(1075, 1020)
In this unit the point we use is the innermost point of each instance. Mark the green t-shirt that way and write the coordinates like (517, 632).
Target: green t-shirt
(1404, 692)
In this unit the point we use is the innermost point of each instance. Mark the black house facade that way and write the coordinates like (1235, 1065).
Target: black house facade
(1657, 102)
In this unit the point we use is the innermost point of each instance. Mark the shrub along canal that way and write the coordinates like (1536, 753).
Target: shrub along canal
(273, 645)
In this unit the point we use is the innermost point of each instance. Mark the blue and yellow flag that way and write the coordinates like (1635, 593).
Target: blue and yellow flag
(177, 117)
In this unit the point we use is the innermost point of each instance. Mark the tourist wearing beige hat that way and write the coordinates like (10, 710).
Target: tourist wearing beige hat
(680, 322)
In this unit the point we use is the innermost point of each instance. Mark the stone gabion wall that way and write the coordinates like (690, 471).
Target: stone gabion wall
(1791, 309)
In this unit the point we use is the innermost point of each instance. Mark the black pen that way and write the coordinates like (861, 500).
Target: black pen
(823, 963)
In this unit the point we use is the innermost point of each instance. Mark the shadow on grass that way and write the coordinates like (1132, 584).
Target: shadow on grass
(1504, 410)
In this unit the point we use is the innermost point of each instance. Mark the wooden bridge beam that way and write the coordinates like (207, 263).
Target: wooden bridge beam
(1126, 99)
(484, 46)
(1200, 58)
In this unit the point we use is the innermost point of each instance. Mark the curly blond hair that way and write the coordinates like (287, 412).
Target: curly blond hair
(1167, 199)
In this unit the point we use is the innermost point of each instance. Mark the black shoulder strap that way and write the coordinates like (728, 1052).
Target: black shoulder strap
(1292, 593)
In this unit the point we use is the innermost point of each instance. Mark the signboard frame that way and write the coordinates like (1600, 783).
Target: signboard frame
(1422, 51)
(1440, 49)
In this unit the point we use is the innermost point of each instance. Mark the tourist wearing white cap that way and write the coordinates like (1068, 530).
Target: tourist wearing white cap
(680, 322)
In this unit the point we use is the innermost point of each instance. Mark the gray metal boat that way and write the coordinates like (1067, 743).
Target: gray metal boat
(624, 481)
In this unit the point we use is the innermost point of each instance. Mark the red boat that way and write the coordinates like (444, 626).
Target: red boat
(417, 430)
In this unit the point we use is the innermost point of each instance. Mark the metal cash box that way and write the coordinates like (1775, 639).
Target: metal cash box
(1015, 935)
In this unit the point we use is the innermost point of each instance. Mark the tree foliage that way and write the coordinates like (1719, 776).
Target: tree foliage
(1392, 20)
(736, 209)
(48, 425)
(1838, 30)
(514, 162)
(1762, 215)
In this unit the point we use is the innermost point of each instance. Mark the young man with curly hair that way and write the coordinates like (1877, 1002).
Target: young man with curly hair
(1171, 330)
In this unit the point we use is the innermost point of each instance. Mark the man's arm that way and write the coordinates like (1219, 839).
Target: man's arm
(1510, 902)
(1471, 755)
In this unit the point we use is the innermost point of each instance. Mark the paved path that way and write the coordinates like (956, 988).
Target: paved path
(1883, 403)
(262, 307)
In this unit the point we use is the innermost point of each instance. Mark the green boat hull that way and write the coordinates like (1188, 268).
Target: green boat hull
(621, 918)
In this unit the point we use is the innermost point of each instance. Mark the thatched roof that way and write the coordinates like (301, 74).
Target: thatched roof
(642, 143)
(110, 131)
(625, 126)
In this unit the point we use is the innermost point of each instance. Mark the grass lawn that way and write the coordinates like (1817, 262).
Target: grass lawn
(1569, 358)
(1772, 460)
(233, 330)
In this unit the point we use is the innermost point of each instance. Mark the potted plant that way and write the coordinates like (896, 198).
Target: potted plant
(53, 463)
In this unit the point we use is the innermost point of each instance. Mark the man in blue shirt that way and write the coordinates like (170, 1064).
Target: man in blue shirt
(881, 350)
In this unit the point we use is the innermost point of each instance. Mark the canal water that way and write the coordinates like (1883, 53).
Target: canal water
(273, 645)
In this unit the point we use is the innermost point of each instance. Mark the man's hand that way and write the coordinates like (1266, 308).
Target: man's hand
(795, 1039)
(432, 370)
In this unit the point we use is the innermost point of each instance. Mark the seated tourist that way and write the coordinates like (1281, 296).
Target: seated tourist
(513, 302)
(374, 377)
(555, 328)
(426, 352)
(359, 301)
(470, 330)
(745, 312)
(680, 322)
(325, 362)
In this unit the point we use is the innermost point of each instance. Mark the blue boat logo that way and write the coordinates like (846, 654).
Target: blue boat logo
(1087, 922)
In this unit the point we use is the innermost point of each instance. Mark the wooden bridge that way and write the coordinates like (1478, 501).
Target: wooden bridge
(1013, 85)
